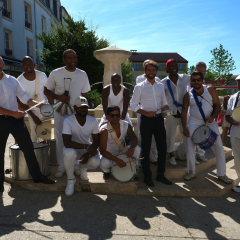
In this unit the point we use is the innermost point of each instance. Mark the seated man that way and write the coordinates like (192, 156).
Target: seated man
(77, 130)
(109, 148)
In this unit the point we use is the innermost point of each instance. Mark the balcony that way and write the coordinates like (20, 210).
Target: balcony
(27, 24)
(5, 13)
(8, 52)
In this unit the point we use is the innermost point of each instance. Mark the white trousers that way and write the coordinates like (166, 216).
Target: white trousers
(58, 125)
(103, 120)
(235, 142)
(70, 157)
(171, 127)
(106, 164)
(33, 126)
(217, 149)
(153, 151)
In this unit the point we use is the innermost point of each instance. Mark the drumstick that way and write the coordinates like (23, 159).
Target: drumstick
(204, 131)
(35, 106)
(163, 106)
(128, 158)
(190, 136)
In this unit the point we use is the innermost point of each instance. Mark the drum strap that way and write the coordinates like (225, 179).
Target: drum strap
(199, 104)
(171, 92)
(236, 102)
(114, 135)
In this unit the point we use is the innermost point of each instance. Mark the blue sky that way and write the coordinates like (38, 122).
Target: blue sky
(190, 28)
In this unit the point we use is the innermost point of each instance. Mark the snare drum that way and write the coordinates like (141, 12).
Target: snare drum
(46, 110)
(167, 113)
(206, 140)
(236, 114)
(46, 129)
(125, 174)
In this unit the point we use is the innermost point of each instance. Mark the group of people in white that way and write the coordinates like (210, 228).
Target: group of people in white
(83, 143)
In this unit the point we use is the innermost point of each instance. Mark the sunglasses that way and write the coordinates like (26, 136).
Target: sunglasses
(114, 115)
(194, 80)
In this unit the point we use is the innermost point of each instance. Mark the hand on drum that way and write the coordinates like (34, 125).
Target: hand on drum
(120, 163)
(235, 123)
(210, 119)
(84, 158)
(130, 152)
(92, 151)
(18, 114)
(186, 132)
(40, 105)
(63, 98)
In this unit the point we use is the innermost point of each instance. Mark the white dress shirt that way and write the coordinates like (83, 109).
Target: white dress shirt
(150, 96)
(10, 88)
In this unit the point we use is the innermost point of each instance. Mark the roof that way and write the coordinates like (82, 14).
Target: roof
(157, 57)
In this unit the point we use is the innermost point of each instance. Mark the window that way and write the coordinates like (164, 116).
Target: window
(159, 67)
(180, 67)
(28, 20)
(8, 42)
(134, 67)
(43, 24)
(29, 47)
(55, 8)
(6, 8)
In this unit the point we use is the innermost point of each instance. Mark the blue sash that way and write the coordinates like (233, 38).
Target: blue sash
(199, 104)
(171, 92)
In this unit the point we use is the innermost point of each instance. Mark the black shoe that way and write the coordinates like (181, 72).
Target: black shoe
(164, 180)
(149, 182)
(106, 175)
(1, 188)
(44, 180)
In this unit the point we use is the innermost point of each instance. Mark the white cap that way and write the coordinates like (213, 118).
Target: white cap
(237, 78)
(148, 60)
(81, 101)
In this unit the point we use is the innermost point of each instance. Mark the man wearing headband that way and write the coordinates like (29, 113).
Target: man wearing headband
(201, 113)
(68, 78)
(233, 103)
(109, 147)
(79, 152)
(33, 82)
(11, 122)
(151, 96)
(116, 94)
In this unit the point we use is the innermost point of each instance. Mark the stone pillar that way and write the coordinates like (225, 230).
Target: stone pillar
(111, 57)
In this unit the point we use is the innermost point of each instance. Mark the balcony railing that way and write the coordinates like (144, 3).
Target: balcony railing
(5, 13)
(8, 52)
(27, 24)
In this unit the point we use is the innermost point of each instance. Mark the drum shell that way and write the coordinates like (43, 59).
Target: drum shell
(52, 152)
(19, 165)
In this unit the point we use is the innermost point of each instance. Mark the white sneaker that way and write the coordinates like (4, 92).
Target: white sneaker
(70, 187)
(83, 174)
(236, 189)
(172, 161)
(59, 173)
(225, 179)
(202, 158)
(190, 176)
(196, 161)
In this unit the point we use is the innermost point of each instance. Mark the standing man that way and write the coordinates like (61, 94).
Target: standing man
(150, 94)
(233, 103)
(116, 94)
(11, 121)
(68, 78)
(77, 131)
(33, 82)
(153, 152)
(202, 100)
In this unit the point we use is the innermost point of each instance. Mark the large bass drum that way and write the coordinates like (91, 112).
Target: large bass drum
(19, 165)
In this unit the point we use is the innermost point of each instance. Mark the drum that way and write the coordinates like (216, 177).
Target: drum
(46, 129)
(204, 140)
(125, 174)
(46, 110)
(19, 165)
(236, 114)
(167, 113)
(180, 151)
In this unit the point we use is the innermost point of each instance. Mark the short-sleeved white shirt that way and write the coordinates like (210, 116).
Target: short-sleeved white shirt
(80, 134)
(79, 84)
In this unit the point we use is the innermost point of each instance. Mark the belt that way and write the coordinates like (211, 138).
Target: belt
(4, 116)
(157, 115)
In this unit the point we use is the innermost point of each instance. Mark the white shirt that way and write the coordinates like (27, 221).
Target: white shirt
(235, 130)
(30, 86)
(79, 84)
(142, 77)
(10, 88)
(80, 134)
(150, 96)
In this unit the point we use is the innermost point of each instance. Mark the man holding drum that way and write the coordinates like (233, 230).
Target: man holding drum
(65, 79)
(77, 131)
(204, 107)
(233, 117)
(112, 137)
(11, 121)
(151, 96)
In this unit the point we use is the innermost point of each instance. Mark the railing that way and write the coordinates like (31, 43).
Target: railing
(5, 13)
(27, 24)
(8, 52)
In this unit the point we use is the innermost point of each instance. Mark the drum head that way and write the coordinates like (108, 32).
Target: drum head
(199, 135)
(46, 110)
(181, 152)
(124, 174)
(46, 130)
(236, 114)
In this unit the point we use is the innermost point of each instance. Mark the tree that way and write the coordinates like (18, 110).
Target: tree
(127, 75)
(189, 70)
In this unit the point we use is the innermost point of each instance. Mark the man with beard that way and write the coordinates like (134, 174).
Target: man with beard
(33, 82)
(68, 78)
(76, 133)
(109, 147)
(176, 85)
(118, 95)
(203, 102)
(151, 96)
(11, 121)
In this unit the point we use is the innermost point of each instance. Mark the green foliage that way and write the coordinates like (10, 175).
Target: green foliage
(127, 75)
(189, 70)
(82, 39)
(94, 94)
